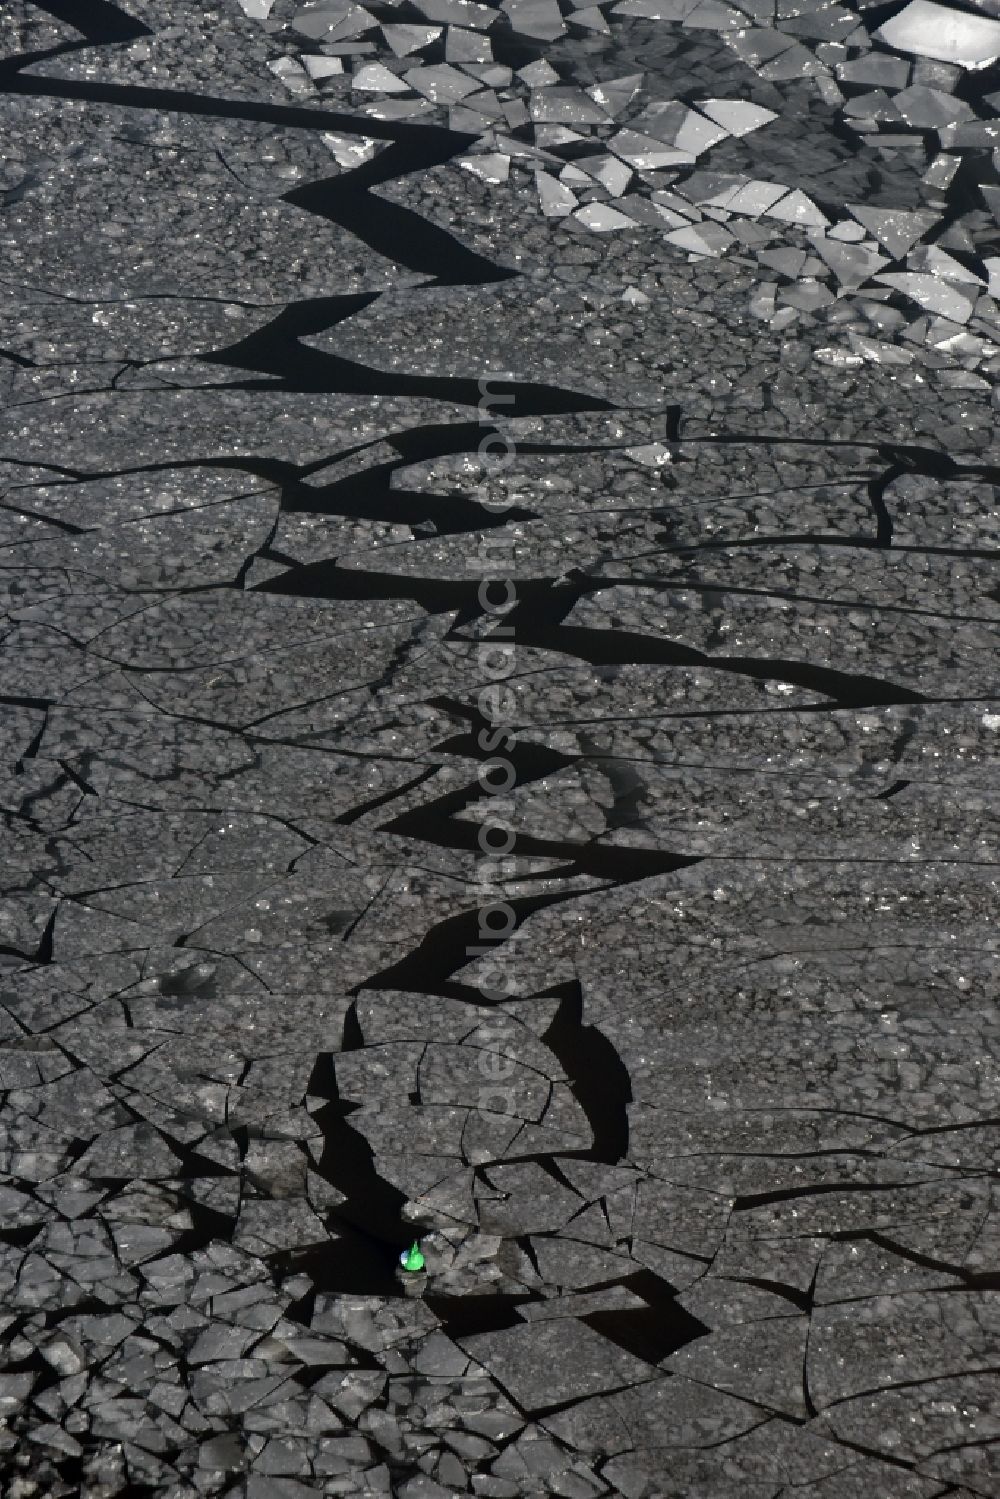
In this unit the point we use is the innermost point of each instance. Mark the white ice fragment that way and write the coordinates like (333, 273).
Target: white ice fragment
(937, 262)
(590, 17)
(257, 10)
(353, 23)
(404, 39)
(697, 134)
(851, 264)
(933, 294)
(538, 18)
(375, 78)
(463, 46)
(931, 30)
(736, 115)
(603, 218)
(538, 74)
(565, 106)
(549, 136)
(614, 94)
(650, 454)
(701, 239)
(879, 353)
(612, 174)
(441, 83)
(322, 67)
(897, 230)
(350, 150)
(556, 200)
(646, 153)
(753, 198)
(941, 170)
(292, 74)
(838, 359)
(712, 15)
(929, 108)
(796, 208)
(458, 12)
(635, 297)
(846, 231)
(657, 10)
(491, 166)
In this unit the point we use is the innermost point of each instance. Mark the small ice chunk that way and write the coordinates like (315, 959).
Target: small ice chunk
(930, 108)
(938, 262)
(838, 359)
(491, 166)
(807, 295)
(646, 153)
(556, 200)
(661, 119)
(736, 115)
(292, 74)
(612, 174)
(316, 20)
(566, 106)
(494, 75)
(879, 353)
(788, 260)
(375, 78)
(458, 12)
(931, 293)
(847, 231)
(257, 10)
(796, 208)
(931, 30)
(712, 15)
(464, 46)
(940, 172)
(706, 238)
(851, 264)
(538, 74)
(538, 18)
(404, 39)
(603, 218)
(697, 134)
(354, 22)
(650, 454)
(657, 10)
(894, 228)
(875, 105)
(877, 69)
(440, 83)
(322, 67)
(754, 198)
(547, 136)
(395, 109)
(590, 17)
(615, 94)
(350, 150)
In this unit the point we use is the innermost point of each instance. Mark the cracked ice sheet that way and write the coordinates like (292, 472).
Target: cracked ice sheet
(189, 1165)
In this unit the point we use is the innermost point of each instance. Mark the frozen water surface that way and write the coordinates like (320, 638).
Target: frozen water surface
(499, 722)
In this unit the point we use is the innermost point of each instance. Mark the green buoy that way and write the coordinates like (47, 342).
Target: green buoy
(412, 1259)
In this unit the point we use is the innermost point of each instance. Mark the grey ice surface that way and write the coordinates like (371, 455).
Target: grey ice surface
(706, 1190)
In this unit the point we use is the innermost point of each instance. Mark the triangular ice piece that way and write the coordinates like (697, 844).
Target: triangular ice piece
(736, 115)
(897, 230)
(406, 39)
